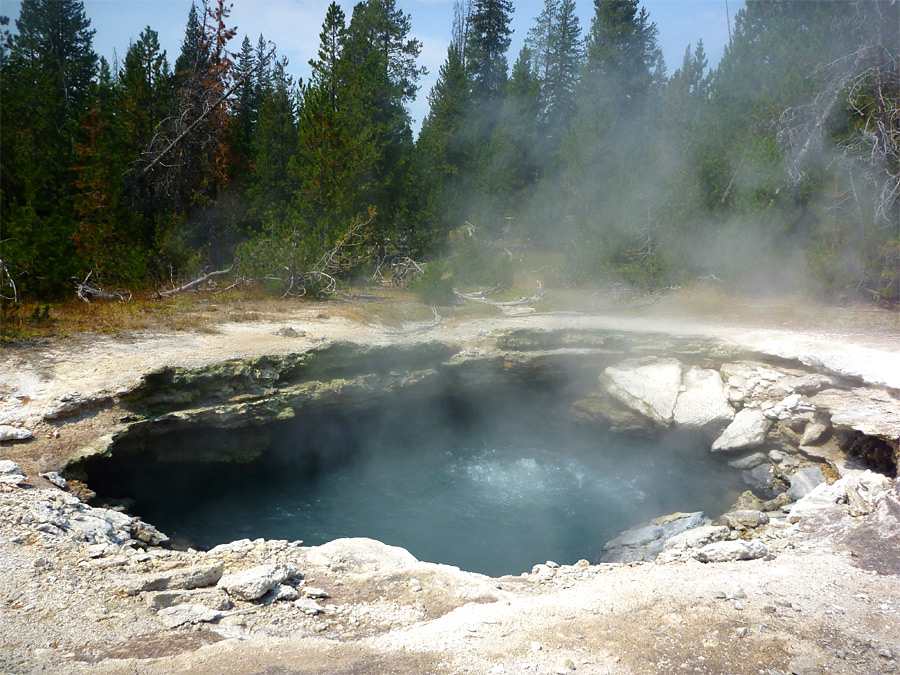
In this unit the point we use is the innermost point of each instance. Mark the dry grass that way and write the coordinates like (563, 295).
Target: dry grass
(204, 312)
(190, 312)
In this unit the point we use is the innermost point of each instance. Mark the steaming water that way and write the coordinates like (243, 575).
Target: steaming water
(490, 492)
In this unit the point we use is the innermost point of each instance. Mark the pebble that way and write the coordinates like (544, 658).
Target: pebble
(564, 666)
(308, 606)
(312, 592)
(536, 646)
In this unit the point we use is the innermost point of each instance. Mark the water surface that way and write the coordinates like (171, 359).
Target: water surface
(492, 488)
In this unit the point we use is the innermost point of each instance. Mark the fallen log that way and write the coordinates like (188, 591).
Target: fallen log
(479, 296)
(85, 290)
(419, 327)
(195, 283)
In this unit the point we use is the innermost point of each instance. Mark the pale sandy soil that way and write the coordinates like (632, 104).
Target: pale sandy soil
(828, 602)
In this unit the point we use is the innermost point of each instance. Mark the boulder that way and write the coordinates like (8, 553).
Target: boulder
(748, 502)
(784, 409)
(308, 606)
(359, 554)
(315, 593)
(696, 537)
(208, 597)
(747, 430)
(805, 481)
(761, 477)
(744, 519)
(179, 615)
(651, 390)
(251, 584)
(56, 479)
(10, 473)
(646, 542)
(730, 551)
(856, 494)
(197, 576)
(11, 433)
(748, 462)
(603, 408)
(816, 433)
(703, 403)
(284, 592)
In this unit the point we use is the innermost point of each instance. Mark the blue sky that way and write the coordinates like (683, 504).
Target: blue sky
(294, 25)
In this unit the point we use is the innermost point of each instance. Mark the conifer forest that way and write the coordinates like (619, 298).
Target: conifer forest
(779, 169)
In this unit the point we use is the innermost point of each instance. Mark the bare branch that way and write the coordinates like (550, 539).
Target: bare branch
(196, 282)
(85, 290)
(6, 279)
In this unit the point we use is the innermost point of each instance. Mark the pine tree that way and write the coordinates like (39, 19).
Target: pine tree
(622, 49)
(248, 96)
(335, 162)
(192, 60)
(514, 152)
(487, 42)
(275, 143)
(200, 166)
(144, 90)
(44, 93)
(444, 145)
(565, 63)
(382, 76)
(555, 41)
(57, 34)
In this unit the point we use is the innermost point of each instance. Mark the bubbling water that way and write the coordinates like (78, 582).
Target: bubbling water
(489, 488)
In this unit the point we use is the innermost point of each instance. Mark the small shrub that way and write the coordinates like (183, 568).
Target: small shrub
(435, 287)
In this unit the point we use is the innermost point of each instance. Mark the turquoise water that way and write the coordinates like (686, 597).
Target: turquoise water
(492, 489)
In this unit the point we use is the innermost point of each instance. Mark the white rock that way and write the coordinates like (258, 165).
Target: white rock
(815, 433)
(315, 593)
(790, 402)
(359, 554)
(729, 551)
(253, 583)
(703, 403)
(747, 430)
(10, 473)
(10, 433)
(237, 546)
(196, 576)
(56, 479)
(308, 606)
(650, 390)
(285, 592)
(697, 537)
(178, 615)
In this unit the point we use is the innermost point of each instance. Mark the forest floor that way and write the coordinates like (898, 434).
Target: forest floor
(811, 609)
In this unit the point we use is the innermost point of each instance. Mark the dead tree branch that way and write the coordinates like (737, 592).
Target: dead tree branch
(85, 290)
(195, 283)
(336, 261)
(193, 125)
(521, 301)
(404, 270)
(419, 327)
(6, 279)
